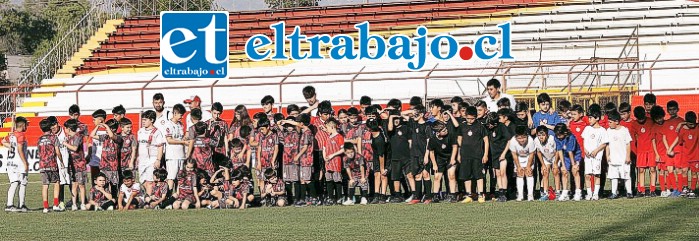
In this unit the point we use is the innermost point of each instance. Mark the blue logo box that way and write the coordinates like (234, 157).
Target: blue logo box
(194, 45)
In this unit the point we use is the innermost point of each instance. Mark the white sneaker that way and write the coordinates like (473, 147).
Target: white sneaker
(110, 208)
(563, 198)
(83, 207)
(595, 197)
(665, 193)
(410, 199)
(74, 208)
(348, 202)
(530, 198)
(58, 209)
(98, 208)
(519, 198)
(588, 197)
(577, 197)
(168, 207)
(46, 210)
(364, 201)
(62, 205)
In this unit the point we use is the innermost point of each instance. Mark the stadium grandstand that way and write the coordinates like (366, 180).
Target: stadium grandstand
(611, 50)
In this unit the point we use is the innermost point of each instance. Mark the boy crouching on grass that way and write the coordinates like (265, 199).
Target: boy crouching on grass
(130, 194)
(160, 198)
(100, 195)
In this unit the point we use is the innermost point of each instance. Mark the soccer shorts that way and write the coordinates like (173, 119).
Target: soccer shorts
(187, 197)
(333, 176)
(593, 166)
(645, 159)
(548, 161)
(49, 177)
(79, 177)
(442, 165)
(376, 166)
(64, 176)
(357, 182)
(414, 166)
(694, 166)
(397, 167)
(113, 177)
(290, 173)
(683, 162)
(16, 176)
(173, 166)
(470, 169)
(622, 171)
(306, 174)
(145, 173)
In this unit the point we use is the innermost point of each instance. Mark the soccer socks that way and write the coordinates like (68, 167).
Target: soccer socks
(589, 191)
(671, 181)
(11, 194)
(530, 186)
(694, 183)
(22, 194)
(338, 190)
(312, 189)
(362, 192)
(615, 186)
(661, 179)
(520, 187)
(418, 190)
(682, 181)
(297, 191)
(55, 202)
(330, 189)
(302, 193)
(428, 188)
(351, 192)
(597, 187)
(627, 184)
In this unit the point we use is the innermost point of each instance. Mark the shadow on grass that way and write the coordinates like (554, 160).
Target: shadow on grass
(653, 223)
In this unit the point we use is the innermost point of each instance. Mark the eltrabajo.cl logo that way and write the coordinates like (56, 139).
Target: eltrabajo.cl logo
(194, 44)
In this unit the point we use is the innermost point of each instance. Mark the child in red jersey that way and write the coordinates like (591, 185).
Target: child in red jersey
(50, 160)
(687, 139)
(187, 190)
(109, 161)
(78, 170)
(661, 132)
(100, 195)
(645, 156)
(673, 152)
(160, 198)
(332, 151)
(129, 145)
(201, 148)
(217, 131)
(290, 139)
(356, 171)
(267, 150)
(239, 155)
(274, 191)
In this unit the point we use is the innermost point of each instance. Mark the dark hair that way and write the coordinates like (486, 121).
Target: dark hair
(332, 120)
(149, 114)
(326, 104)
(456, 99)
(100, 174)
(269, 173)
(119, 110)
(521, 131)
(237, 174)
(395, 103)
(125, 121)
(268, 99)
(352, 111)
(365, 100)
(639, 112)
(259, 116)
(624, 107)
(438, 126)
(244, 131)
(521, 106)
(593, 111)
(201, 174)
(53, 120)
(264, 122)
(564, 105)
(304, 118)
(99, 113)
(200, 128)
(342, 111)
(673, 103)
(217, 106)
(20, 119)
(71, 124)
(416, 100)
(493, 82)
(45, 125)
(463, 105)
(480, 103)
(241, 111)
(471, 110)
(578, 108)
(657, 112)
(112, 124)
(561, 129)
(491, 118)
(370, 110)
(504, 102)
(419, 109)
(127, 174)
(373, 125)
(448, 108)
(348, 146)
(437, 102)
(158, 96)
(614, 115)
(542, 98)
(196, 114)
(308, 92)
(160, 173)
(190, 161)
(507, 112)
(542, 128)
(179, 108)
(236, 143)
(277, 117)
(610, 106)
(690, 117)
(649, 98)
(291, 108)
(74, 109)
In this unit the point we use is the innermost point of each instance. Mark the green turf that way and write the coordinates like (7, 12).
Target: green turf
(636, 219)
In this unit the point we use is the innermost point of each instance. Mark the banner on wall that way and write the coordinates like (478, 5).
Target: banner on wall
(32, 158)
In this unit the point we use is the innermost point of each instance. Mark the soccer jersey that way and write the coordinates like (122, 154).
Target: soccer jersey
(16, 139)
(205, 116)
(618, 139)
(110, 153)
(234, 129)
(266, 148)
(522, 152)
(217, 132)
(643, 136)
(96, 154)
(577, 128)
(61, 135)
(472, 141)
(149, 140)
(594, 138)
(290, 140)
(442, 148)
(659, 131)
(333, 145)
(354, 164)
(498, 138)
(99, 197)
(671, 135)
(399, 141)
(569, 144)
(128, 143)
(135, 189)
(306, 139)
(631, 127)
(175, 131)
(47, 152)
(159, 189)
(547, 149)
(78, 156)
(186, 181)
(362, 132)
(688, 139)
(420, 133)
(548, 118)
(202, 149)
(378, 146)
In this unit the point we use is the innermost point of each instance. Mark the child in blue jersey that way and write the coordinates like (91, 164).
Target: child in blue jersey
(569, 149)
(545, 116)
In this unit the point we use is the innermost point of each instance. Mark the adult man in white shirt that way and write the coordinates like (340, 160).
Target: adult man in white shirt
(494, 95)
(194, 102)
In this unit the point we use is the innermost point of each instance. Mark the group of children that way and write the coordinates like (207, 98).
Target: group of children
(316, 156)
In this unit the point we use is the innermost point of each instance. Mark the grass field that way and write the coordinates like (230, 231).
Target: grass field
(622, 219)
